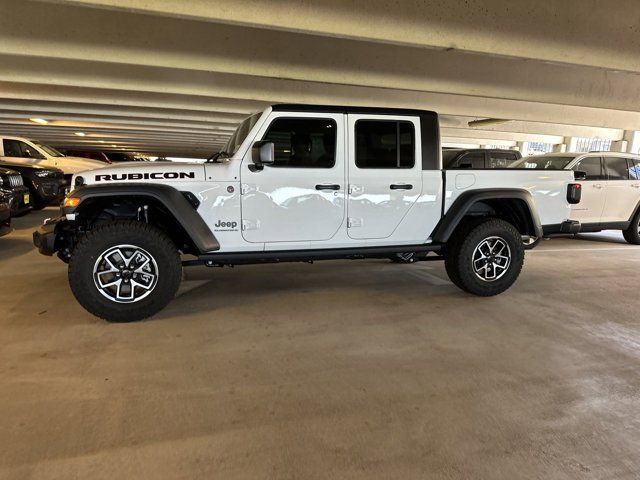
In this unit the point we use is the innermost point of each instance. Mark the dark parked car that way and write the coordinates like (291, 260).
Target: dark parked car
(116, 157)
(46, 184)
(5, 216)
(478, 158)
(93, 154)
(14, 191)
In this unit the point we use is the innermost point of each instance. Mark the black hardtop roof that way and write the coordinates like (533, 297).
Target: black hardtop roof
(292, 107)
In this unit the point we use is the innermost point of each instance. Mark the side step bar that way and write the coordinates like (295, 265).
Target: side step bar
(278, 256)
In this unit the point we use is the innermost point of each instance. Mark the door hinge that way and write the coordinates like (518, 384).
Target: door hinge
(250, 225)
(354, 222)
(356, 189)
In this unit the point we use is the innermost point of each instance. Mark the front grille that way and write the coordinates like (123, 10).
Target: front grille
(15, 181)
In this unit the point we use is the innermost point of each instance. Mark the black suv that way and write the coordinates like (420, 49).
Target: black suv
(15, 193)
(46, 184)
(478, 158)
(5, 216)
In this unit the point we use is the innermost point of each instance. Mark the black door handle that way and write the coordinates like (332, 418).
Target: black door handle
(327, 187)
(400, 186)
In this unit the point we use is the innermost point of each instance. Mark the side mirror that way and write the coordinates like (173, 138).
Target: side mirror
(579, 175)
(263, 153)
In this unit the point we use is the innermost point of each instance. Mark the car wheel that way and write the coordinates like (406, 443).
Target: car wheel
(124, 271)
(485, 257)
(632, 233)
(37, 202)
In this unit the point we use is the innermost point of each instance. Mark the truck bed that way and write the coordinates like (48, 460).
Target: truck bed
(546, 186)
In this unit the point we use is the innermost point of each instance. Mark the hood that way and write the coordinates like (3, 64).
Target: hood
(145, 172)
(75, 165)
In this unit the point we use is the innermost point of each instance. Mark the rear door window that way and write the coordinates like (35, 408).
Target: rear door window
(617, 168)
(592, 166)
(385, 144)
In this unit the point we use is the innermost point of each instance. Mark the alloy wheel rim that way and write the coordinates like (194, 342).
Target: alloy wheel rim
(125, 273)
(491, 259)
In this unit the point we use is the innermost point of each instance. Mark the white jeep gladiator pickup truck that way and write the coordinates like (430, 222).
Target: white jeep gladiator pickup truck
(301, 183)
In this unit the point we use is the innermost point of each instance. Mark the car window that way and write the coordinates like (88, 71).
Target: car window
(17, 148)
(634, 169)
(544, 162)
(471, 160)
(501, 159)
(592, 166)
(384, 144)
(617, 168)
(302, 142)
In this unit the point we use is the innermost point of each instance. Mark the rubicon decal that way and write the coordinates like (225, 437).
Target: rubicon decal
(118, 177)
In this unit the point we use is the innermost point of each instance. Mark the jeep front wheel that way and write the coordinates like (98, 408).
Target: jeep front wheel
(124, 271)
(485, 258)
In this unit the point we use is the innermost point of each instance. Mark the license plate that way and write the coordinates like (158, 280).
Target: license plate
(26, 198)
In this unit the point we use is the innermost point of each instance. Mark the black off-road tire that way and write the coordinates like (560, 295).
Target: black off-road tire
(460, 251)
(36, 201)
(106, 236)
(632, 233)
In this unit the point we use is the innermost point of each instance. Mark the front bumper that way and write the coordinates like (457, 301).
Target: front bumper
(50, 191)
(45, 238)
(19, 200)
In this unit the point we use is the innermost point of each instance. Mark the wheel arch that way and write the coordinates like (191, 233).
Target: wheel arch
(515, 206)
(177, 215)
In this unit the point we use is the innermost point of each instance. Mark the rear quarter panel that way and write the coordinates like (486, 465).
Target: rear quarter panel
(548, 188)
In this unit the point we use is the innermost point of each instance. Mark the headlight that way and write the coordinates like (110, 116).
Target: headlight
(43, 173)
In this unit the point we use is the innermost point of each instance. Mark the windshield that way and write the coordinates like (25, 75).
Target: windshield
(52, 152)
(241, 133)
(543, 163)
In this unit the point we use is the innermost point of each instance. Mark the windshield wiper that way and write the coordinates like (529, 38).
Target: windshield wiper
(217, 156)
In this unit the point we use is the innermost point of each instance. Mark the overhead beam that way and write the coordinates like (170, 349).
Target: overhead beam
(131, 78)
(117, 37)
(582, 32)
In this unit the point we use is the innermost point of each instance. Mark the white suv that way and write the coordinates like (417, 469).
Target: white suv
(23, 150)
(611, 189)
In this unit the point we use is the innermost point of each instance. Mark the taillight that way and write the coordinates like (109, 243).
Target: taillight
(574, 193)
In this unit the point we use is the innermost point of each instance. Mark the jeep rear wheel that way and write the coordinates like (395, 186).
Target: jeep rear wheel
(485, 258)
(124, 271)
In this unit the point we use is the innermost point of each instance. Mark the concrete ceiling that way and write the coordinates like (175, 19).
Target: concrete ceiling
(175, 77)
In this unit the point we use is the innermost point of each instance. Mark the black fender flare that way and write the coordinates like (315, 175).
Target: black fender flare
(464, 203)
(172, 199)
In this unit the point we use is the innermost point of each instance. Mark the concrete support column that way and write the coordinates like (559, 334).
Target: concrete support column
(560, 148)
(523, 147)
(633, 141)
(619, 146)
(572, 143)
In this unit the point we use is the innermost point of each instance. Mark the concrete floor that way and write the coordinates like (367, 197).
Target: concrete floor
(337, 370)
